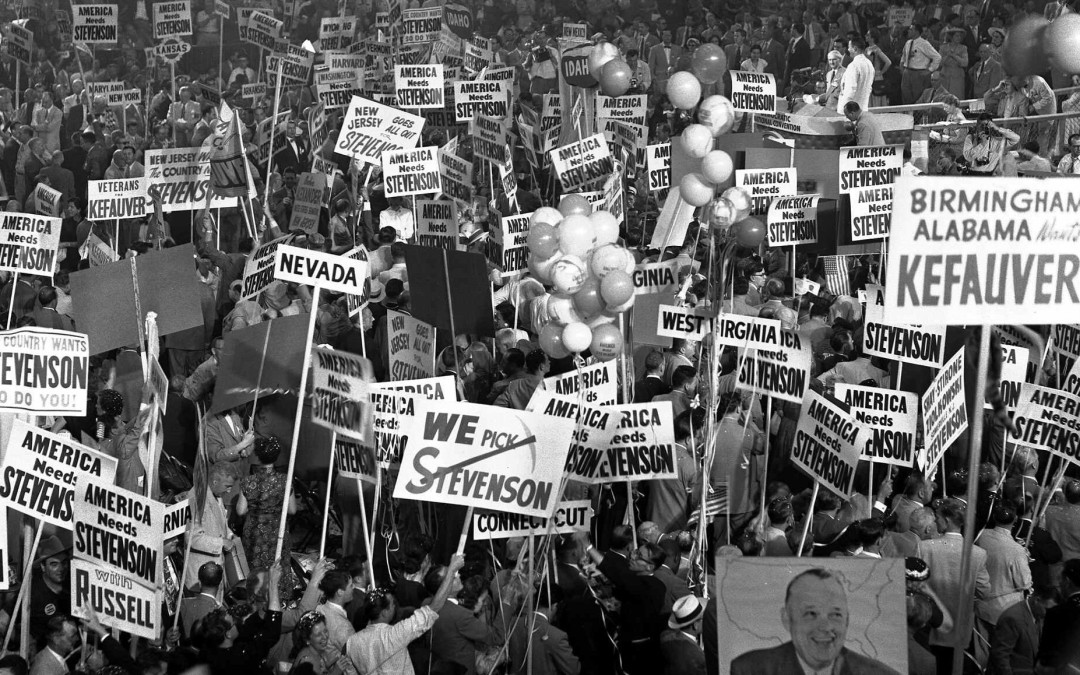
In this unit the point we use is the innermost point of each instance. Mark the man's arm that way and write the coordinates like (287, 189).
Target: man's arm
(457, 561)
(932, 54)
(566, 662)
(1002, 642)
(218, 448)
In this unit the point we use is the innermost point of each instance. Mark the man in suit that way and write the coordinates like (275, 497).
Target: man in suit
(46, 315)
(679, 643)
(60, 179)
(457, 633)
(798, 54)
(11, 155)
(295, 153)
(60, 641)
(652, 384)
(211, 537)
(196, 607)
(815, 613)
(661, 58)
(987, 73)
(1058, 644)
(547, 647)
(921, 527)
(667, 573)
(1014, 644)
(943, 556)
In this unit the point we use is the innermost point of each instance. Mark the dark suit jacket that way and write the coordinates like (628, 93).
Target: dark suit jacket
(642, 599)
(194, 609)
(782, 660)
(50, 318)
(1059, 645)
(648, 387)
(287, 157)
(798, 55)
(681, 656)
(60, 179)
(1014, 641)
(7, 164)
(550, 649)
(456, 634)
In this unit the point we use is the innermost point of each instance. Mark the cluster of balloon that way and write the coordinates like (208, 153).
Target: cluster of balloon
(574, 250)
(1059, 44)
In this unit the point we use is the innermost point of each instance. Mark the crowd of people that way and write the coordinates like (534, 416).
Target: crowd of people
(637, 594)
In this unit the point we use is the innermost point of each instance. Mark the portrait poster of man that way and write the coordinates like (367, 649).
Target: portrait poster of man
(842, 616)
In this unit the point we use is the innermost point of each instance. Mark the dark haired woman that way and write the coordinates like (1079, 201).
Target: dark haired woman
(261, 496)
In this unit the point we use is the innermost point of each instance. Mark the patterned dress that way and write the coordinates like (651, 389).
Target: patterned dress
(264, 490)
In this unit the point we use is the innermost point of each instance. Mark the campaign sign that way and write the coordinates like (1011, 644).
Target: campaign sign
(944, 412)
(482, 97)
(458, 19)
(575, 31)
(687, 323)
(599, 381)
(371, 128)
(783, 372)
(515, 250)
(308, 202)
(437, 224)
(28, 243)
(419, 86)
(394, 406)
(171, 51)
(119, 602)
(765, 185)
(172, 19)
(583, 163)
(262, 30)
(116, 199)
(177, 518)
(456, 177)
(47, 200)
(259, 267)
(891, 416)
(793, 220)
(411, 346)
(420, 25)
(489, 138)
(411, 172)
(43, 371)
(339, 393)
(753, 92)
(180, 178)
(827, 444)
(355, 460)
(569, 517)
(485, 457)
(316, 268)
(42, 471)
(658, 161)
(119, 529)
(1014, 367)
(871, 212)
(94, 24)
(19, 43)
(1047, 419)
(921, 345)
(866, 166)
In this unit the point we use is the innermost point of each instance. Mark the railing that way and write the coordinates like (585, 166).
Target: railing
(966, 103)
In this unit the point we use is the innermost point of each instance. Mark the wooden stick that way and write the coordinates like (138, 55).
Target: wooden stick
(24, 590)
(807, 519)
(465, 531)
(329, 490)
(367, 542)
(11, 302)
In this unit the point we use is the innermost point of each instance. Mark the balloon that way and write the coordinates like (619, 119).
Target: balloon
(605, 227)
(568, 274)
(600, 55)
(619, 309)
(607, 342)
(716, 166)
(607, 259)
(574, 204)
(717, 113)
(576, 236)
(587, 300)
(541, 269)
(615, 78)
(616, 288)
(543, 240)
(709, 63)
(697, 140)
(1022, 52)
(695, 190)
(684, 90)
(560, 309)
(1062, 46)
(551, 341)
(722, 214)
(751, 233)
(740, 199)
(576, 337)
(546, 214)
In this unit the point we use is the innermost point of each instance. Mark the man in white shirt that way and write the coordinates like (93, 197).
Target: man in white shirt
(399, 218)
(917, 61)
(755, 64)
(241, 68)
(1069, 164)
(858, 77)
(639, 71)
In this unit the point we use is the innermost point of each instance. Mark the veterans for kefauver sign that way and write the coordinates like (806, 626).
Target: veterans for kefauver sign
(371, 128)
(921, 345)
(765, 185)
(944, 413)
(94, 24)
(570, 516)
(583, 163)
(394, 406)
(411, 172)
(973, 250)
(316, 268)
(753, 92)
(871, 212)
(42, 471)
(827, 444)
(119, 529)
(891, 416)
(116, 199)
(28, 243)
(793, 220)
(865, 166)
(489, 458)
(43, 371)
(339, 395)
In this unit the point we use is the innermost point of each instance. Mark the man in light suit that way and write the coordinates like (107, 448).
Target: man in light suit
(60, 641)
(661, 59)
(943, 556)
(815, 613)
(548, 648)
(211, 536)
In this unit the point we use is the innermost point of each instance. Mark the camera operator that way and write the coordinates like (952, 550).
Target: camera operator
(985, 146)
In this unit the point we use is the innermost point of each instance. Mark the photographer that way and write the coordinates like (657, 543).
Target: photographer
(984, 148)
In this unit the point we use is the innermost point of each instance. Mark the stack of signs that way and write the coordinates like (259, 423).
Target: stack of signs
(871, 212)
(44, 471)
(921, 345)
(411, 172)
(484, 97)
(28, 243)
(308, 202)
(116, 199)
(411, 347)
(43, 371)
(180, 178)
(867, 166)
(944, 410)
(94, 24)
(891, 417)
(764, 185)
(827, 444)
(259, 267)
(1047, 419)
(793, 220)
(598, 384)
(172, 19)
(654, 284)
(436, 224)
(419, 86)
(753, 92)
(570, 516)
(584, 163)
(484, 457)
(371, 128)
(117, 569)
(615, 443)
(394, 406)
(339, 79)
(339, 393)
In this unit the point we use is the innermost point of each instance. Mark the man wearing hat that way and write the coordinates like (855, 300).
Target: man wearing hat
(679, 643)
(50, 590)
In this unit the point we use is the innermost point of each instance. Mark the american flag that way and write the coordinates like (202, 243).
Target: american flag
(837, 276)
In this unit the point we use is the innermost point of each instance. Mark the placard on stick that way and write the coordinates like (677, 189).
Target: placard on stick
(827, 444)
